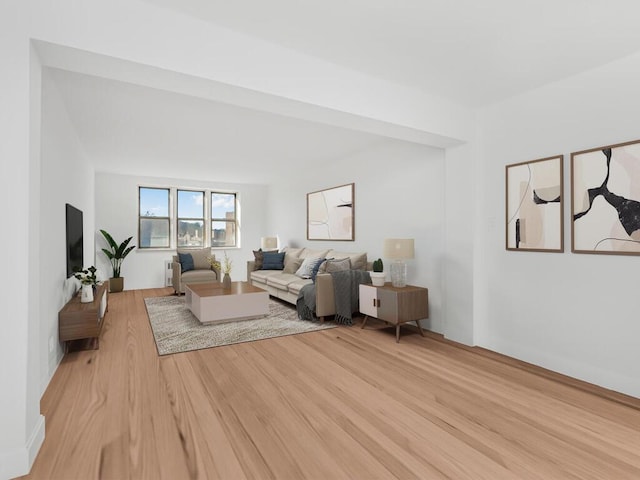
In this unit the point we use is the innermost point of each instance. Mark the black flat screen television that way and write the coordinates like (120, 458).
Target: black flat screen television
(75, 240)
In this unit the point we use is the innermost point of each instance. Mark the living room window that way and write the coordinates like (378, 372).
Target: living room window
(190, 229)
(153, 220)
(223, 219)
(182, 218)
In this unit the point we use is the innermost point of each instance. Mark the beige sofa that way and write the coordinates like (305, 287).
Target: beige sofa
(284, 284)
(203, 272)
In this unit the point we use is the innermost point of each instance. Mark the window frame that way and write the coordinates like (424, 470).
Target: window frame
(203, 219)
(141, 217)
(213, 219)
(208, 220)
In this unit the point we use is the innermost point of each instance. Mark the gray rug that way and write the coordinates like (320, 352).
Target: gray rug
(176, 330)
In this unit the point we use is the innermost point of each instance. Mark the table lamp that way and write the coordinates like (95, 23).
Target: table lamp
(269, 243)
(398, 250)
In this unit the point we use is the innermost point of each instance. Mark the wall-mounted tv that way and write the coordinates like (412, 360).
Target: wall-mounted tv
(75, 240)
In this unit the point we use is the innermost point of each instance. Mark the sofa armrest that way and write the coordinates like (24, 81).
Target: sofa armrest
(251, 266)
(325, 296)
(176, 276)
(218, 273)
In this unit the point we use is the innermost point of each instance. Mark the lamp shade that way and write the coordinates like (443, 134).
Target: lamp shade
(269, 243)
(398, 248)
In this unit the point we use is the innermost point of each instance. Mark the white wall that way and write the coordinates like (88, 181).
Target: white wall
(67, 176)
(116, 198)
(21, 426)
(399, 192)
(576, 314)
(458, 269)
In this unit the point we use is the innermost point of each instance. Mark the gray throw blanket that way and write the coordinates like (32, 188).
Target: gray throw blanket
(346, 291)
(306, 303)
(346, 285)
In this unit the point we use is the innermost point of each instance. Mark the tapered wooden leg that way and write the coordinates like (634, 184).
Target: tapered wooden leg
(398, 333)
(364, 321)
(321, 319)
(419, 327)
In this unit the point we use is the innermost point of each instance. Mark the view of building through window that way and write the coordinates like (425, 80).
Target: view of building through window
(191, 214)
(223, 219)
(190, 218)
(154, 218)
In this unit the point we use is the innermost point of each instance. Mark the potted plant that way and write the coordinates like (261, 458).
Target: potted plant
(88, 280)
(116, 254)
(223, 267)
(377, 276)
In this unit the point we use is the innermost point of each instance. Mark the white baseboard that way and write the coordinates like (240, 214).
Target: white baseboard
(18, 461)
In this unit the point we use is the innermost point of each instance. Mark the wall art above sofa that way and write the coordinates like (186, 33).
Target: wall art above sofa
(605, 200)
(330, 213)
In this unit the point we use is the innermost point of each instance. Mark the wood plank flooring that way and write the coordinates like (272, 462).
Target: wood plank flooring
(343, 403)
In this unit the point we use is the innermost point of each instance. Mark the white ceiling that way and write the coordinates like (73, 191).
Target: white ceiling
(149, 132)
(474, 52)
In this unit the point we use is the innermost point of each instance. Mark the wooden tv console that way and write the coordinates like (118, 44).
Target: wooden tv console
(83, 321)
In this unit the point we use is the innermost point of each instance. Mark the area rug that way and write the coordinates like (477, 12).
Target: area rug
(176, 330)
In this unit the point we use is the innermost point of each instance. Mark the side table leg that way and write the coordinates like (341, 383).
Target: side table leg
(398, 333)
(364, 322)
(419, 327)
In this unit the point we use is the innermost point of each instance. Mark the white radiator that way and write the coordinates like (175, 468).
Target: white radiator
(168, 274)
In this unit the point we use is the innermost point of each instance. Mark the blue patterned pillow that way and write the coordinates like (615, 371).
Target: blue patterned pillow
(272, 261)
(316, 268)
(308, 264)
(186, 262)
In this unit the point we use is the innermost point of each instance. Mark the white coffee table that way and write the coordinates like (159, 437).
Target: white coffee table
(211, 303)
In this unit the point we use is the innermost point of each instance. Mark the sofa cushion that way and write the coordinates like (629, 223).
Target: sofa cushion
(310, 253)
(308, 264)
(262, 275)
(272, 261)
(295, 286)
(281, 281)
(293, 252)
(199, 276)
(358, 259)
(186, 262)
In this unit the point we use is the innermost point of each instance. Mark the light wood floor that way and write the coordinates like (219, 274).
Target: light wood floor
(343, 403)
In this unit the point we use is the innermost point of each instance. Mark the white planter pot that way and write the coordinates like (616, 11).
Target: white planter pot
(377, 279)
(86, 294)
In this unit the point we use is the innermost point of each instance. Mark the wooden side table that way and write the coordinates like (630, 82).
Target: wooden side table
(395, 305)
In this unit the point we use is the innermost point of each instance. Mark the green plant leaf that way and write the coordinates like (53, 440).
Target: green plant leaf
(110, 240)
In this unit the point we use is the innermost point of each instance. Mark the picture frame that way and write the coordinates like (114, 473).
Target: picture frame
(331, 214)
(605, 200)
(534, 205)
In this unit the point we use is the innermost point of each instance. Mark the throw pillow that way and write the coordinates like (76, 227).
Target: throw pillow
(338, 265)
(259, 257)
(291, 264)
(186, 261)
(272, 261)
(200, 258)
(316, 267)
(306, 269)
(323, 265)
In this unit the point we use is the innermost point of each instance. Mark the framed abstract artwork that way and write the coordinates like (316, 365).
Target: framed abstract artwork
(605, 200)
(534, 205)
(330, 213)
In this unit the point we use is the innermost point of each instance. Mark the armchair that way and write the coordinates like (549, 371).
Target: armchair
(202, 271)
